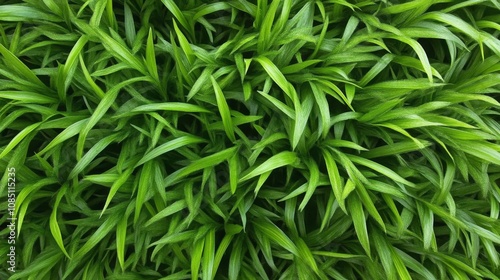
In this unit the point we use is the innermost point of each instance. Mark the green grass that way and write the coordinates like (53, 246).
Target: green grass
(251, 139)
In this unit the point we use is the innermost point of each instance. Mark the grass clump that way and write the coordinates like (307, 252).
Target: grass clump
(285, 139)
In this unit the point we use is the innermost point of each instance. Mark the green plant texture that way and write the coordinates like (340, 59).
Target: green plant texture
(251, 139)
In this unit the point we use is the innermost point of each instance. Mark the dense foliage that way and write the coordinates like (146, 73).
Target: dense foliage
(251, 139)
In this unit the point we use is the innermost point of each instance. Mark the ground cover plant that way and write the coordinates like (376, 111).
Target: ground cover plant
(251, 139)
